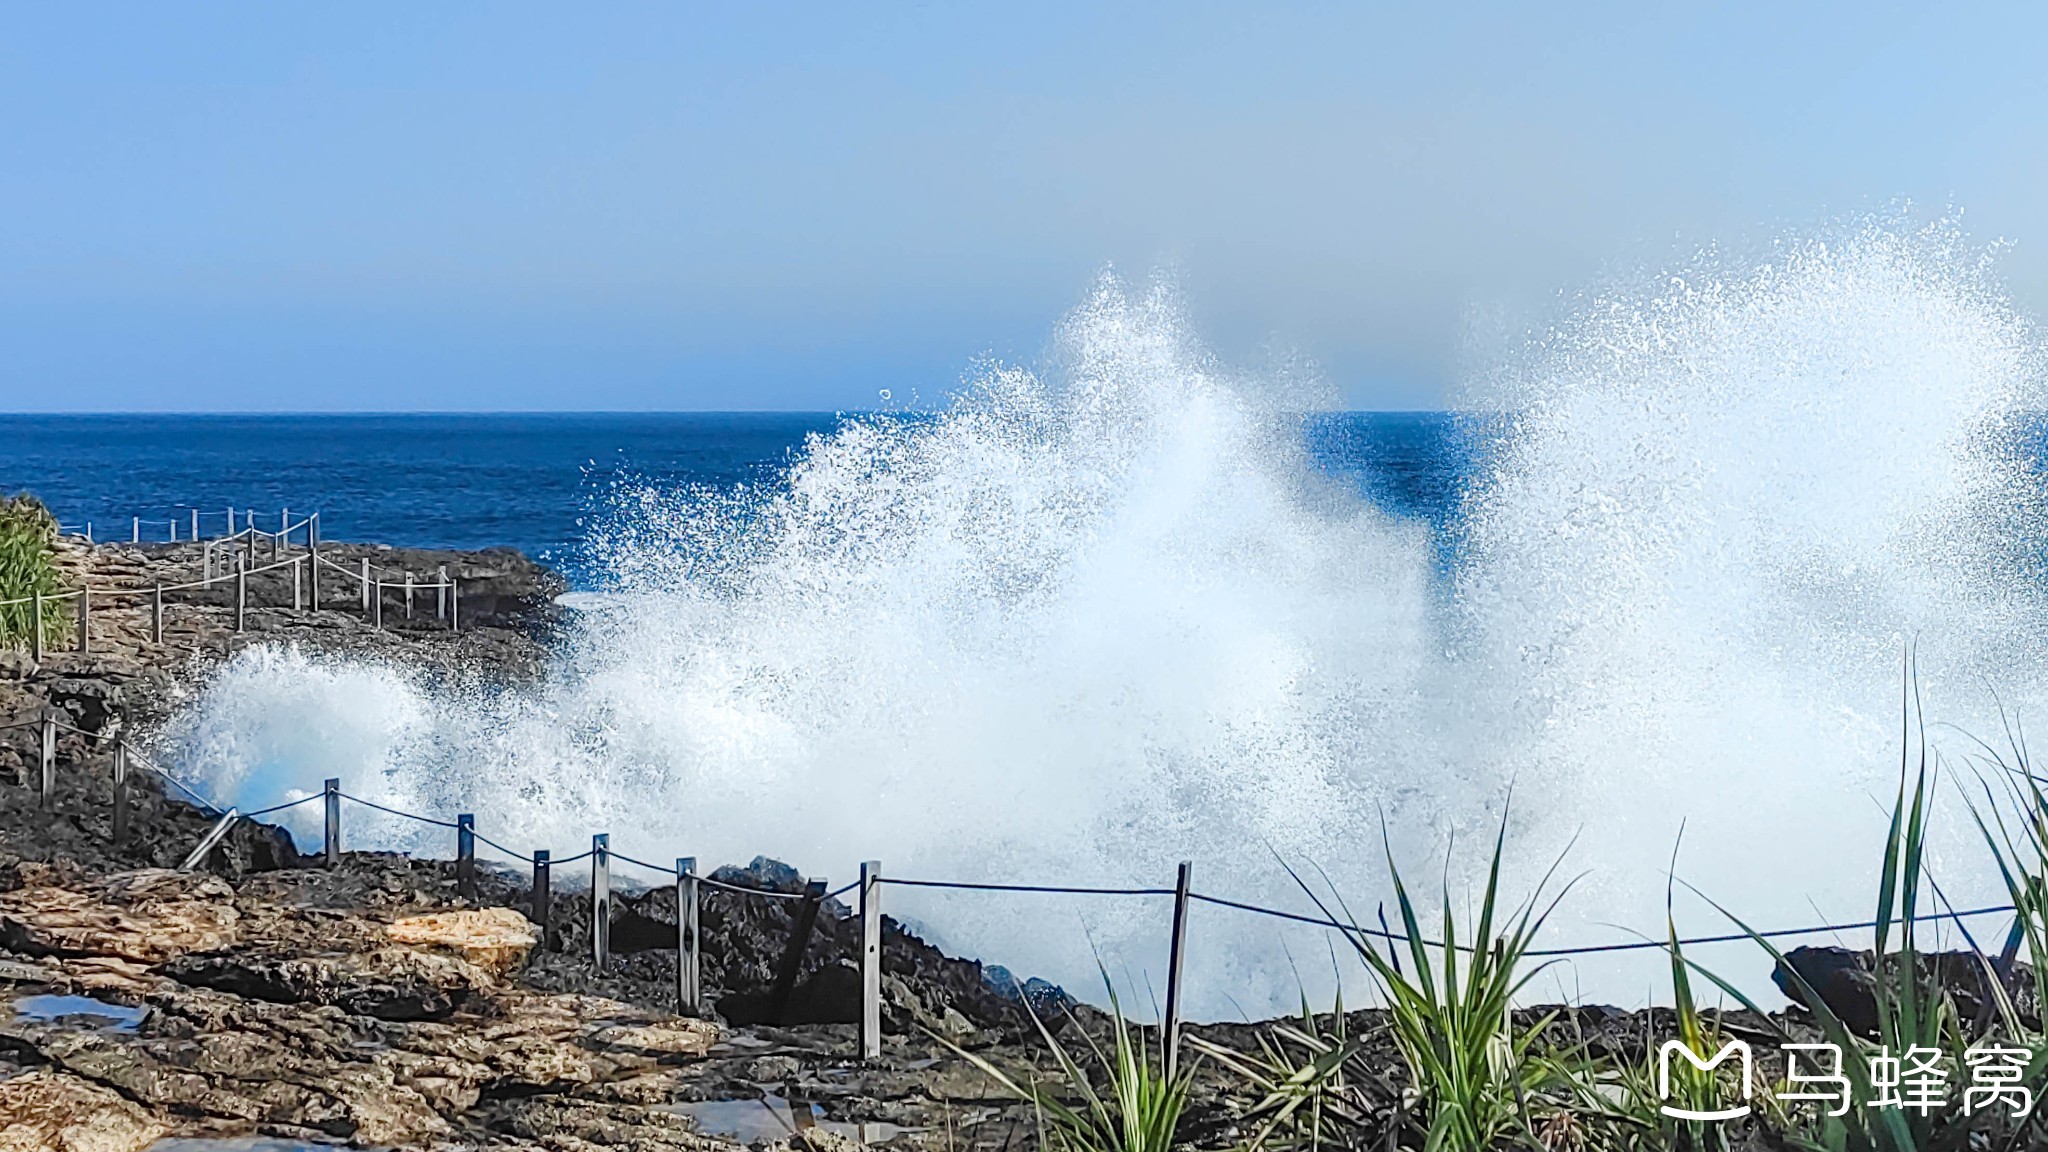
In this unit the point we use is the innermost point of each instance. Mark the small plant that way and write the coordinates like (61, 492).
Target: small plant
(1451, 1014)
(1137, 1109)
(1313, 1082)
(28, 568)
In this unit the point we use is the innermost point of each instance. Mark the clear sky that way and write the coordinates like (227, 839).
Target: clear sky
(394, 206)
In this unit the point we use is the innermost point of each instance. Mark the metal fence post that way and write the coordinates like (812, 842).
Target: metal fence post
(366, 585)
(1169, 1033)
(48, 785)
(298, 589)
(377, 604)
(408, 595)
(441, 593)
(313, 559)
(241, 591)
(871, 959)
(465, 856)
(601, 900)
(195, 526)
(454, 606)
(35, 628)
(543, 897)
(85, 617)
(689, 969)
(249, 535)
(120, 793)
(135, 531)
(331, 792)
(156, 614)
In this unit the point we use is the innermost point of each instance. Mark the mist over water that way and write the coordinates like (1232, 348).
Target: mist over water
(1101, 617)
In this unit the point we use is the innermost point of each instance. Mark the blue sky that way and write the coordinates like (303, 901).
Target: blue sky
(668, 206)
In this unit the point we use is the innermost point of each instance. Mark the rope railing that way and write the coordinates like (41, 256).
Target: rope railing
(689, 885)
(231, 560)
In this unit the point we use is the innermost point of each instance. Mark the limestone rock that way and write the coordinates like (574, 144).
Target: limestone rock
(51, 1112)
(496, 940)
(147, 916)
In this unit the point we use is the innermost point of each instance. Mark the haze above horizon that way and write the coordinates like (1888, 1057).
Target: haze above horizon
(464, 207)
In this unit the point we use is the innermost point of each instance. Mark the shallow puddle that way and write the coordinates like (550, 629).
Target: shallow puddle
(82, 1011)
(754, 1121)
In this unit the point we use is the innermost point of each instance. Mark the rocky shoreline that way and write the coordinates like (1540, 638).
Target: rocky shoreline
(370, 1005)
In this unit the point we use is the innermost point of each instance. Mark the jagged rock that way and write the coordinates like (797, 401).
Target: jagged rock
(496, 940)
(149, 916)
(52, 1112)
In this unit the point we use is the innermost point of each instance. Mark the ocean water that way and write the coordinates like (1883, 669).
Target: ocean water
(1653, 595)
(531, 481)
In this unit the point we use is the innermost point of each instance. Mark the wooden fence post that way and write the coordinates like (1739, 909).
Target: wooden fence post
(331, 791)
(85, 617)
(1169, 1032)
(48, 785)
(601, 900)
(465, 856)
(543, 897)
(156, 614)
(120, 793)
(871, 960)
(689, 968)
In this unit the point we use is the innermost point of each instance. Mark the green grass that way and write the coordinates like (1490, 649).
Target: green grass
(28, 566)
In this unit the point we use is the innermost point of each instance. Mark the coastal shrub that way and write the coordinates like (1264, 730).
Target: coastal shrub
(28, 567)
(1314, 1082)
(1473, 1069)
(1137, 1110)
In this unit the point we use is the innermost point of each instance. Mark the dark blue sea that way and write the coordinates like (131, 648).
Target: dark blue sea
(526, 481)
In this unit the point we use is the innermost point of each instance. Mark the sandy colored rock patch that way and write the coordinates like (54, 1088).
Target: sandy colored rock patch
(496, 940)
(52, 1112)
(147, 916)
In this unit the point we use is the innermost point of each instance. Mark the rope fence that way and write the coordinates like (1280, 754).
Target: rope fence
(231, 559)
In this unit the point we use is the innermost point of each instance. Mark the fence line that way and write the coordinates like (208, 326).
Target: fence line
(237, 562)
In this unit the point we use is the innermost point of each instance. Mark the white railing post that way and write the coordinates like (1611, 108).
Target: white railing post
(120, 793)
(871, 960)
(298, 589)
(135, 531)
(441, 593)
(48, 783)
(156, 614)
(366, 586)
(85, 617)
